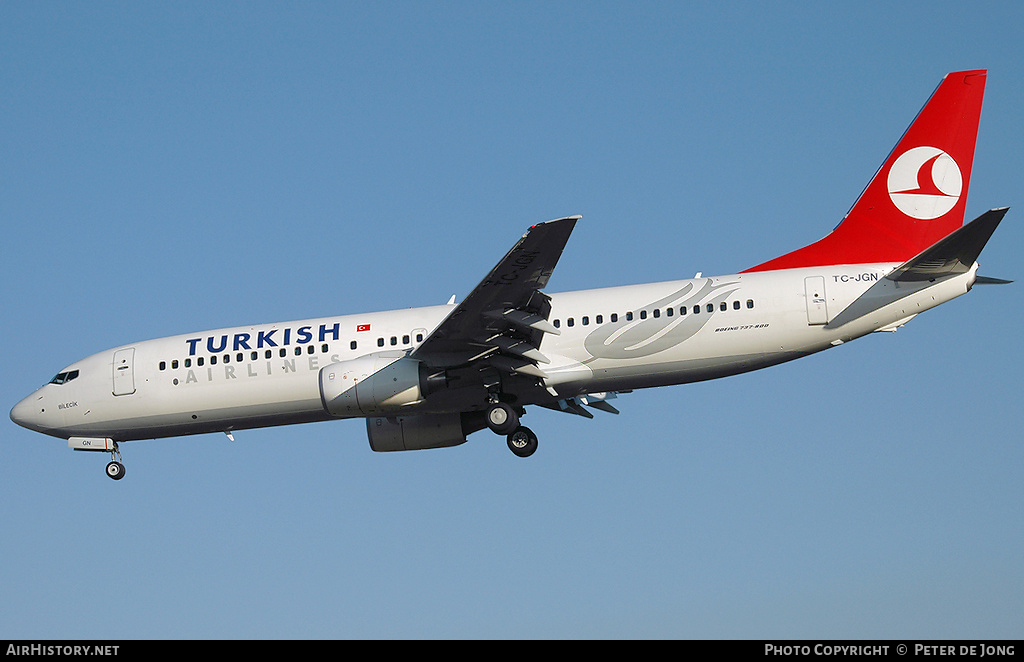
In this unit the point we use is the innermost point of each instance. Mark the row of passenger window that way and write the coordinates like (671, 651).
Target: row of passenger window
(240, 356)
(656, 313)
(394, 340)
(269, 354)
(406, 339)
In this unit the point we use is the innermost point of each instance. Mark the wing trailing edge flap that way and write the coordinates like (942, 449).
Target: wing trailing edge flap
(503, 320)
(954, 255)
(576, 405)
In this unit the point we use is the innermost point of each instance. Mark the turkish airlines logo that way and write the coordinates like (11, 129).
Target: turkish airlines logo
(925, 183)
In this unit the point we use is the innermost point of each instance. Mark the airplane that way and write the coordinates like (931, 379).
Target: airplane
(428, 377)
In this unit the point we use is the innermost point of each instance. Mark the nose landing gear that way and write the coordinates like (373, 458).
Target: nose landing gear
(114, 468)
(102, 445)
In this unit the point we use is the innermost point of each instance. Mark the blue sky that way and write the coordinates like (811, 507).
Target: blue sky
(173, 167)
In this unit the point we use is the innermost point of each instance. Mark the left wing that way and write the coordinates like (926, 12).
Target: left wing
(504, 318)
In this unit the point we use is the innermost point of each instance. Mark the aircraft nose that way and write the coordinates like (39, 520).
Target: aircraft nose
(29, 412)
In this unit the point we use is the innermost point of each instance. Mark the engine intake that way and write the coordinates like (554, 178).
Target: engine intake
(372, 384)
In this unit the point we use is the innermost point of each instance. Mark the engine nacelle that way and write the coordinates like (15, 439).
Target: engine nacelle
(411, 433)
(372, 384)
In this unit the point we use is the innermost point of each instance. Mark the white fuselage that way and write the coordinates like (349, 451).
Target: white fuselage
(610, 339)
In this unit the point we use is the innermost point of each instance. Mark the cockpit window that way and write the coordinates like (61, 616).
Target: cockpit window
(64, 377)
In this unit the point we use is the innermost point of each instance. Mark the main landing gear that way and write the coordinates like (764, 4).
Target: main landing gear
(502, 418)
(522, 442)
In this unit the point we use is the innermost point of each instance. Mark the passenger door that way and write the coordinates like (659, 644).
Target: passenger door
(814, 290)
(124, 371)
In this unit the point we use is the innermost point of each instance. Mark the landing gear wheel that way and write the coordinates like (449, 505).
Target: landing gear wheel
(502, 418)
(522, 442)
(115, 470)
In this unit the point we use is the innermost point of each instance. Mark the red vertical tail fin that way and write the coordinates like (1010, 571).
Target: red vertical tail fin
(918, 196)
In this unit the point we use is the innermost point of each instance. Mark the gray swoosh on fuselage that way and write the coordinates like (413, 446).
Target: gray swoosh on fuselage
(644, 337)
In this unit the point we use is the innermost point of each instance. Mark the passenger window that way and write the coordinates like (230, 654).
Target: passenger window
(723, 306)
(696, 310)
(352, 345)
(405, 340)
(213, 360)
(570, 322)
(586, 321)
(282, 352)
(323, 348)
(254, 356)
(174, 364)
(735, 305)
(558, 324)
(668, 312)
(615, 317)
(227, 358)
(657, 313)
(750, 303)
(711, 307)
(199, 362)
(268, 354)
(298, 351)
(394, 340)
(643, 314)
(629, 317)
(163, 365)
(599, 320)
(419, 338)
(188, 363)
(380, 342)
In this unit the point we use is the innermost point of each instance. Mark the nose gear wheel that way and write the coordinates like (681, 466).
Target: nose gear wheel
(115, 469)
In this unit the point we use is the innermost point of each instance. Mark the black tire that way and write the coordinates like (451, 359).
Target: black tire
(115, 470)
(522, 441)
(502, 418)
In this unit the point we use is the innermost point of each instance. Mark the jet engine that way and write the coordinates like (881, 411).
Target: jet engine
(410, 433)
(372, 384)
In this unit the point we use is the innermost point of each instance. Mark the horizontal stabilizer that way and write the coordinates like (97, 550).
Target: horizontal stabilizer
(953, 255)
(988, 280)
